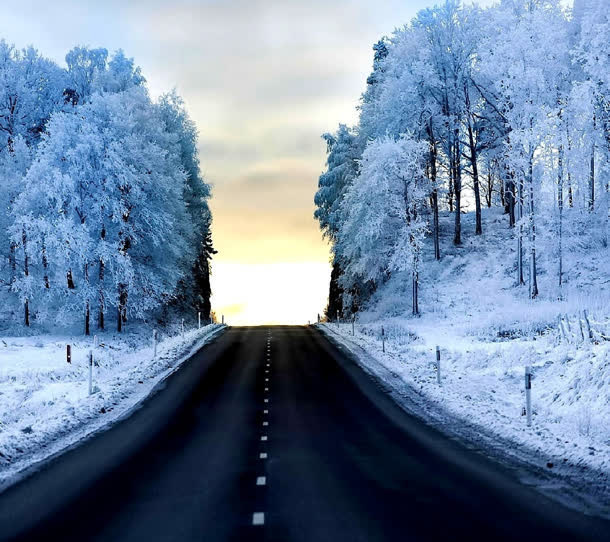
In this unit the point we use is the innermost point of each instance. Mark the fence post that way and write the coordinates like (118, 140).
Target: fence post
(199, 320)
(582, 333)
(528, 394)
(567, 320)
(584, 312)
(562, 329)
(438, 365)
(353, 326)
(382, 339)
(154, 340)
(223, 319)
(182, 327)
(68, 353)
(90, 372)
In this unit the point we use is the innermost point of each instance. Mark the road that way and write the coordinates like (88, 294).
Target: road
(273, 433)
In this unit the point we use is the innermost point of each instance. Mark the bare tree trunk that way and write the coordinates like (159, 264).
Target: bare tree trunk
(490, 189)
(45, 264)
(101, 297)
(26, 272)
(433, 173)
(13, 261)
(503, 195)
(520, 279)
(592, 180)
(87, 304)
(477, 195)
(560, 206)
(415, 278)
(475, 169)
(122, 308)
(533, 270)
(437, 245)
(450, 192)
(101, 300)
(509, 190)
(70, 280)
(457, 179)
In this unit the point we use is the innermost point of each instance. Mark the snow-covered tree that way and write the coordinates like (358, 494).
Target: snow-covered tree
(384, 225)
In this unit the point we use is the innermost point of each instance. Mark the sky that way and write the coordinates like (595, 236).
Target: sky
(262, 79)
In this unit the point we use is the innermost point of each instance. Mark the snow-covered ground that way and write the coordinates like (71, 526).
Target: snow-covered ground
(488, 331)
(45, 404)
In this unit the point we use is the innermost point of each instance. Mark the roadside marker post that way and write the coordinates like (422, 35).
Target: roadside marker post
(353, 326)
(154, 340)
(337, 318)
(90, 372)
(223, 319)
(438, 365)
(318, 318)
(382, 339)
(96, 342)
(182, 326)
(528, 394)
(68, 353)
(198, 320)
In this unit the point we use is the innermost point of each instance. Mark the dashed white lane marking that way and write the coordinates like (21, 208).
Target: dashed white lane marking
(263, 455)
(266, 400)
(264, 437)
(258, 518)
(266, 380)
(265, 411)
(261, 481)
(265, 423)
(266, 389)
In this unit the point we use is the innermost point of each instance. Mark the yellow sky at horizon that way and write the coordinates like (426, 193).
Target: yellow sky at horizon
(295, 292)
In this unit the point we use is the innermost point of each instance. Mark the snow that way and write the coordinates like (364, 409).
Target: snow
(488, 331)
(44, 401)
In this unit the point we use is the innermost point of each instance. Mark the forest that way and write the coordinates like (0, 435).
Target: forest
(105, 211)
(470, 108)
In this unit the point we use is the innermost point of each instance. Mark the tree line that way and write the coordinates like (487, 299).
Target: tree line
(105, 209)
(465, 108)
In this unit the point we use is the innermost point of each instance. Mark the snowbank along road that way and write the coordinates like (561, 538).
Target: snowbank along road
(272, 433)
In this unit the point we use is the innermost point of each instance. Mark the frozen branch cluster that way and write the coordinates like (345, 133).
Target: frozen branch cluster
(466, 107)
(105, 210)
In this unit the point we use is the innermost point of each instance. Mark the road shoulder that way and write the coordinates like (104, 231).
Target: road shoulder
(576, 486)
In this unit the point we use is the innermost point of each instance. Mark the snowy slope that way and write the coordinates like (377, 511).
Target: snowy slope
(44, 401)
(488, 331)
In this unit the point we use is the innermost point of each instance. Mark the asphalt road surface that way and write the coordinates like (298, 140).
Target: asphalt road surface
(273, 433)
